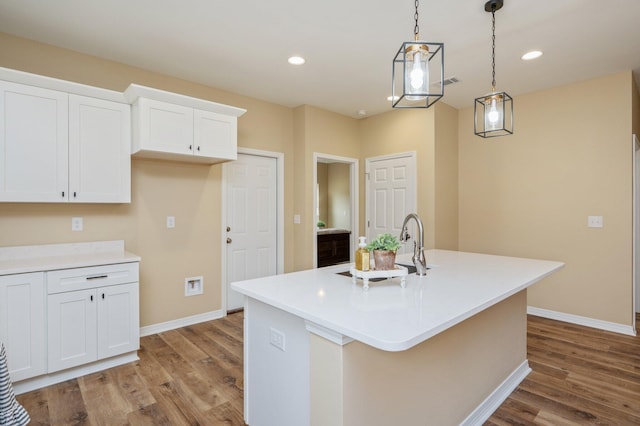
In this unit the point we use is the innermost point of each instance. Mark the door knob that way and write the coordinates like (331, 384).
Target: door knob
(229, 240)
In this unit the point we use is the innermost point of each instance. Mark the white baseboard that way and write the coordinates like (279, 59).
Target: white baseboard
(498, 396)
(180, 322)
(60, 376)
(577, 319)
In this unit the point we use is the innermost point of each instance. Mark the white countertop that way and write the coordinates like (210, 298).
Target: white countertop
(48, 257)
(391, 318)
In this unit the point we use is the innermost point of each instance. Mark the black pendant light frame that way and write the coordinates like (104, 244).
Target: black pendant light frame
(402, 95)
(493, 112)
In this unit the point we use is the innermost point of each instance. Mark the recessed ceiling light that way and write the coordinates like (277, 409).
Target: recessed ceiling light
(531, 55)
(296, 60)
(362, 113)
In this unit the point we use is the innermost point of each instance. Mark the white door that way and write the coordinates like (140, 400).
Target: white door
(251, 221)
(391, 195)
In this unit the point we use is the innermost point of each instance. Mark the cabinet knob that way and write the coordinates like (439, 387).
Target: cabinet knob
(91, 297)
(198, 148)
(74, 194)
(229, 240)
(228, 228)
(190, 148)
(62, 194)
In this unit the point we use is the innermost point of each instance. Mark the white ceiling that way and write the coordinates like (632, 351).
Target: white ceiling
(242, 45)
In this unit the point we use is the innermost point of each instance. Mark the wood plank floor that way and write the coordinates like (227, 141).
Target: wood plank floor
(193, 376)
(189, 376)
(581, 376)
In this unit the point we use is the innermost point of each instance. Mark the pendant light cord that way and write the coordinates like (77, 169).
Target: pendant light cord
(493, 46)
(416, 29)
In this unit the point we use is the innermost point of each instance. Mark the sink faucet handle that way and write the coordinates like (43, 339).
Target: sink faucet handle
(404, 235)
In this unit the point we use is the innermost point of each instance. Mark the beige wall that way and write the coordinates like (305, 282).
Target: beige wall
(404, 130)
(159, 188)
(526, 195)
(529, 194)
(323, 132)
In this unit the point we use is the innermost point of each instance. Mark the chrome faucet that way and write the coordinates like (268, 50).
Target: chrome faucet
(418, 246)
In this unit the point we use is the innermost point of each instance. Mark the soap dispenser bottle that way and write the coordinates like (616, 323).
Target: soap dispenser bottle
(362, 255)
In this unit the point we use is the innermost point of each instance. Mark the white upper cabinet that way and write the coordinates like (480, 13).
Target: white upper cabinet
(62, 146)
(162, 127)
(99, 150)
(33, 143)
(176, 127)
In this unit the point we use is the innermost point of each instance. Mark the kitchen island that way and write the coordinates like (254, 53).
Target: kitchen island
(447, 349)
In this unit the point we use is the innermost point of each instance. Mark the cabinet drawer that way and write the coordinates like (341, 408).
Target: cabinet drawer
(91, 277)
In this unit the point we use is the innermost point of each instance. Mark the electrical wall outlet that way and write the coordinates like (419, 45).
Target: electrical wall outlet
(296, 219)
(277, 338)
(595, 222)
(171, 222)
(77, 224)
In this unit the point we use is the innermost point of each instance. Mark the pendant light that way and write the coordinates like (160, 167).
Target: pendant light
(418, 72)
(494, 111)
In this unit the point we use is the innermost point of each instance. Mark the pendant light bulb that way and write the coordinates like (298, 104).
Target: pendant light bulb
(417, 75)
(493, 115)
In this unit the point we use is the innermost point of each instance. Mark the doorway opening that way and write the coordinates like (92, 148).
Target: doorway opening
(335, 208)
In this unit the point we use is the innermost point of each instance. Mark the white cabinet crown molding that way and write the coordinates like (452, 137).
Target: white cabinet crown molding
(135, 91)
(45, 82)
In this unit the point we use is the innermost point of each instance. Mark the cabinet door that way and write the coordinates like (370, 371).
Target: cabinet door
(99, 150)
(163, 127)
(22, 324)
(33, 144)
(118, 324)
(72, 329)
(215, 135)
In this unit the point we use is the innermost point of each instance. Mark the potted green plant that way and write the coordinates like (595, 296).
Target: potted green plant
(321, 224)
(384, 249)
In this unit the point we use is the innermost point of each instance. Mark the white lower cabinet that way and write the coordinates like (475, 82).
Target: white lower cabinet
(98, 321)
(22, 324)
(88, 325)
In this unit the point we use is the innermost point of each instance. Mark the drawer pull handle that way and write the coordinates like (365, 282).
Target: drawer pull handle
(91, 298)
(97, 277)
